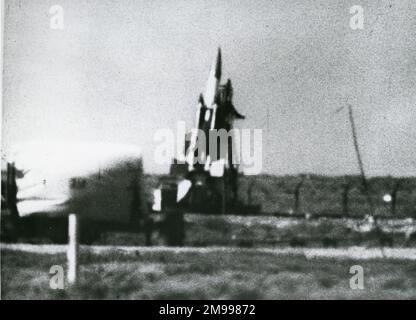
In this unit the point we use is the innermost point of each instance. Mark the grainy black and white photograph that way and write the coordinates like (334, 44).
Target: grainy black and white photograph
(208, 150)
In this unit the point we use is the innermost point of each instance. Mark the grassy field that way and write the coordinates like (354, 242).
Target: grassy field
(208, 275)
(269, 231)
(245, 231)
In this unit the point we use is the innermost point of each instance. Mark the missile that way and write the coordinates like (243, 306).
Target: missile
(206, 110)
(213, 81)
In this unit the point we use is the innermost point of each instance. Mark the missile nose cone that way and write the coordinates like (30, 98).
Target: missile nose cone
(218, 64)
(213, 80)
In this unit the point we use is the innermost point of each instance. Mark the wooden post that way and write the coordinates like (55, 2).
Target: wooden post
(296, 194)
(73, 246)
(345, 208)
(394, 197)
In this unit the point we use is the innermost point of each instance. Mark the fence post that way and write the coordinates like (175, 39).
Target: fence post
(73, 246)
(394, 198)
(345, 208)
(296, 194)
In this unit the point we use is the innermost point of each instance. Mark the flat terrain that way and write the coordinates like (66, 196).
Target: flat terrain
(321, 195)
(242, 257)
(248, 232)
(207, 273)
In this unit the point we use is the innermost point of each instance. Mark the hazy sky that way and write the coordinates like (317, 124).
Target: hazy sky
(119, 70)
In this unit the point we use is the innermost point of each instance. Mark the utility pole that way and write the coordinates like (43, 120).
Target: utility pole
(360, 163)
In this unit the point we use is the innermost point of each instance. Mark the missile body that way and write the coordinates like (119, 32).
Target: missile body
(213, 81)
(206, 110)
(215, 111)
